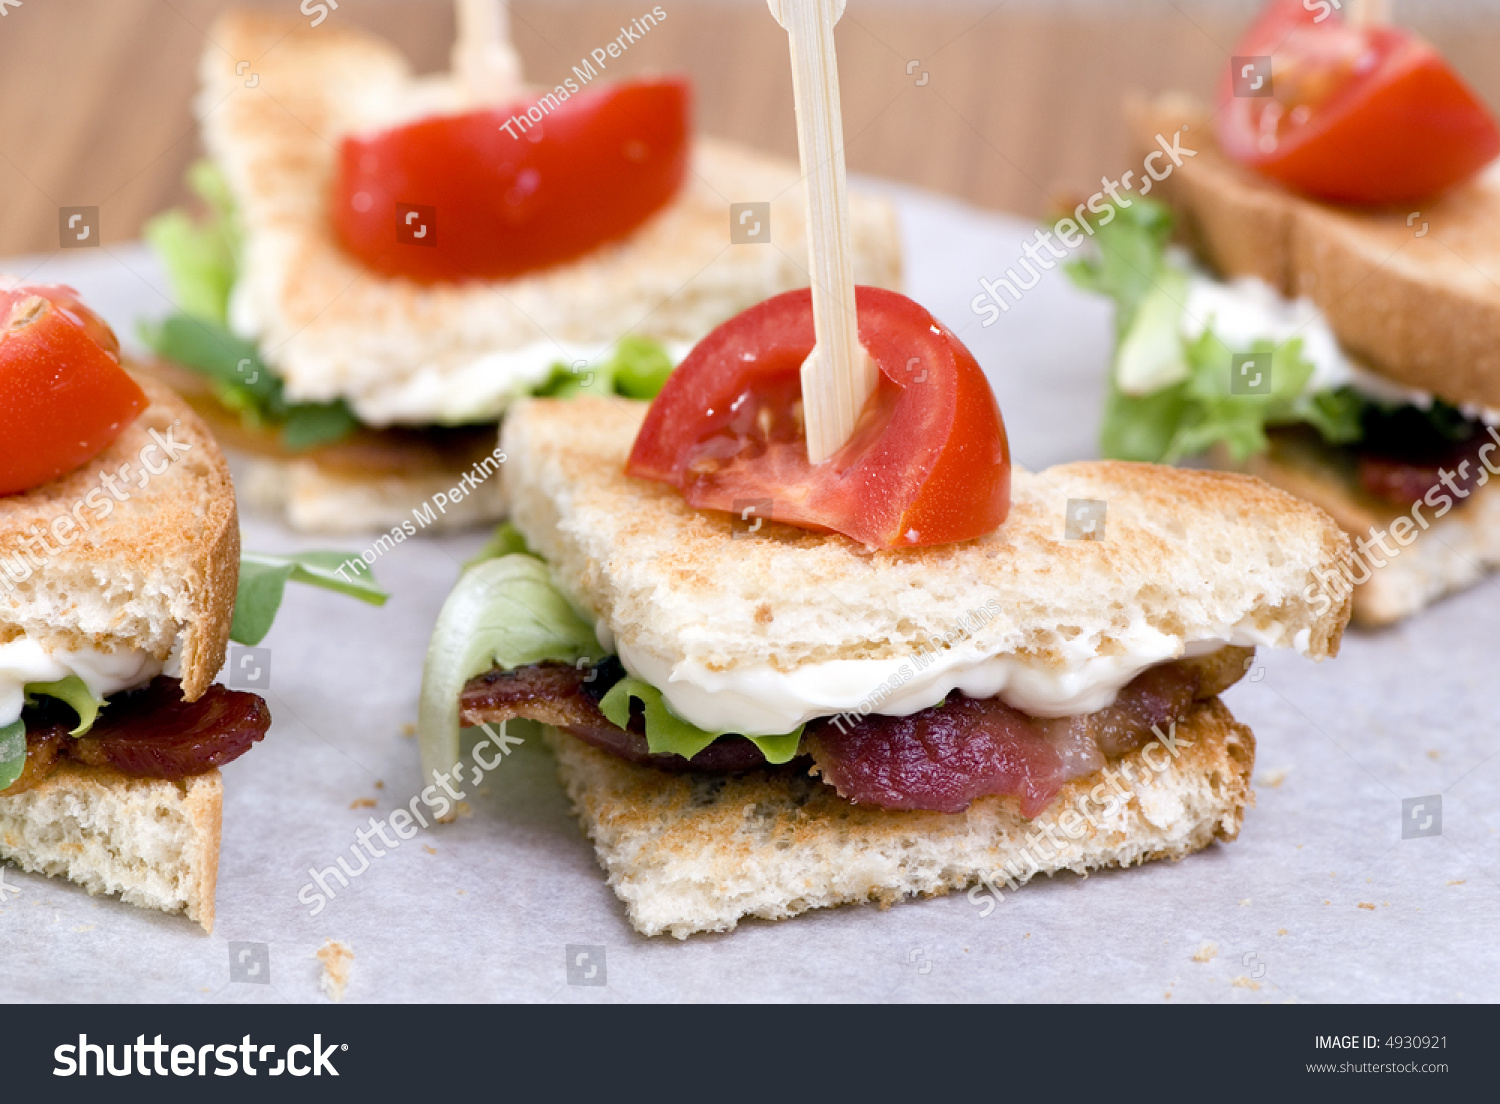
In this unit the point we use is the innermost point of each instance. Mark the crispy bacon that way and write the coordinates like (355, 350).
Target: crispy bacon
(149, 733)
(1405, 453)
(43, 748)
(939, 758)
(153, 733)
(1404, 482)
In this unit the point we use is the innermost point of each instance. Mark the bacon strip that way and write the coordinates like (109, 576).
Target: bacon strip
(151, 733)
(940, 758)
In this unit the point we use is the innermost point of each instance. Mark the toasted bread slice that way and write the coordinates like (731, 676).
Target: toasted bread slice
(694, 853)
(404, 353)
(369, 482)
(315, 498)
(153, 843)
(1414, 295)
(141, 548)
(1188, 556)
(1451, 553)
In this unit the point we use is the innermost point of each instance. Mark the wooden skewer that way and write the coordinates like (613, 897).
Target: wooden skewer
(484, 60)
(1369, 13)
(839, 375)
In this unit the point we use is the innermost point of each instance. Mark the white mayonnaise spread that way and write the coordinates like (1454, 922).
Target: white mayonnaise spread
(759, 700)
(482, 389)
(477, 390)
(24, 660)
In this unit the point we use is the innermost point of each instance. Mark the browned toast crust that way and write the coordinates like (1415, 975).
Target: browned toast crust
(689, 853)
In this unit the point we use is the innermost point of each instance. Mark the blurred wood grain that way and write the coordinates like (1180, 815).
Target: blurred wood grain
(1003, 104)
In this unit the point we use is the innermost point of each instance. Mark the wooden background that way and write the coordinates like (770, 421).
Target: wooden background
(1020, 100)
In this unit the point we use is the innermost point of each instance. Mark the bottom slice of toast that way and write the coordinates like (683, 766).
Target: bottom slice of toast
(339, 503)
(694, 853)
(1446, 555)
(153, 843)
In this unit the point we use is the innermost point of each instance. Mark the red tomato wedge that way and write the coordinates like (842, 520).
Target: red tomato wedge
(1370, 116)
(64, 397)
(460, 198)
(928, 464)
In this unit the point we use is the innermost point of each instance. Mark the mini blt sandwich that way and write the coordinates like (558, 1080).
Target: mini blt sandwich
(119, 573)
(392, 260)
(1333, 330)
(119, 553)
(773, 686)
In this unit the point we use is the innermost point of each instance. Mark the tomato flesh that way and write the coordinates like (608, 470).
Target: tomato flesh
(928, 464)
(1369, 116)
(64, 397)
(460, 198)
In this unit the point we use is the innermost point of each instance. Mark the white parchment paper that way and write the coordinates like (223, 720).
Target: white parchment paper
(1320, 899)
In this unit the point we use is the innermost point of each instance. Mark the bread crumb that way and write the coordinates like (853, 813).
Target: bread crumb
(1206, 953)
(433, 851)
(379, 785)
(1026, 936)
(337, 958)
(408, 730)
(464, 809)
(1458, 881)
(1167, 995)
(1274, 778)
(1327, 902)
(1434, 754)
(363, 803)
(1245, 902)
(1367, 905)
(1242, 982)
(1280, 931)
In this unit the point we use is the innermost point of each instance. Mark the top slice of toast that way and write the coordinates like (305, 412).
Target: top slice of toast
(139, 548)
(332, 329)
(1415, 295)
(1187, 555)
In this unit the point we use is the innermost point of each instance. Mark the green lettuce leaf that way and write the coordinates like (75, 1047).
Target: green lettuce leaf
(263, 580)
(506, 540)
(508, 612)
(504, 612)
(1130, 259)
(200, 255)
(12, 752)
(73, 693)
(244, 384)
(637, 369)
(667, 733)
(1169, 398)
